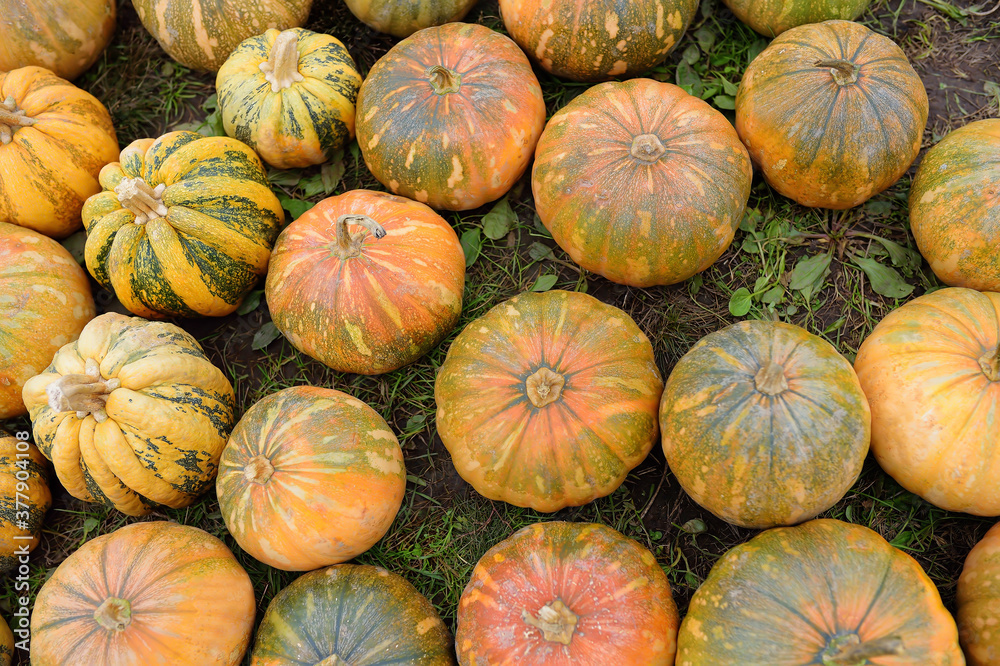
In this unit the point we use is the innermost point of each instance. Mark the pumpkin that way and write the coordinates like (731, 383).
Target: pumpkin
(764, 424)
(24, 498)
(201, 34)
(366, 282)
(450, 116)
(402, 18)
(184, 226)
(133, 414)
(955, 207)
(978, 601)
(822, 593)
(548, 400)
(594, 41)
(6, 644)
(148, 593)
(290, 96)
(351, 614)
(64, 36)
(641, 182)
(310, 477)
(567, 593)
(54, 139)
(773, 17)
(931, 371)
(45, 302)
(832, 113)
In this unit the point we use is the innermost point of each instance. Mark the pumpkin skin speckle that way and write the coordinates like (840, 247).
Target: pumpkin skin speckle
(21, 462)
(450, 116)
(641, 182)
(548, 400)
(402, 18)
(978, 601)
(585, 40)
(773, 17)
(617, 601)
(827, 144)
(955, 207)
(6, 644)
(792, 595)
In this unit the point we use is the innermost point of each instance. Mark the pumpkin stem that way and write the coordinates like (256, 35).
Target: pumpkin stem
(544, 387)
(333, 660)
(83, 394)
(856, 653)
(648, 148)
(282, 67)
(350, 246)
(444, 80)
(137, 197)
(258, 470)
(12, 119)
(990, 363)
(114, 614)
(555, 620)
(770, 379)
(844, 71)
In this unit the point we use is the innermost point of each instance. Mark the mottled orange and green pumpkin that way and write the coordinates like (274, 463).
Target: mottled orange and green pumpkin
(54, 139)
(366, 282)
(931, 371)
(132, 415)
(641, 182)
(45, 302)
(585, 40)
(450, 116)
(773, 17)
(290, 96)
(148, 593)
(6, 644)
(978, 601)
(562, 594)
(548, 400)
(351, 614)
(824, 593)
(24, 498)
(184, 226)
(201, 34)
(402, 18)
(832, 113)
(764, 424)
(63, 36)
(955, 207)
(310, 477)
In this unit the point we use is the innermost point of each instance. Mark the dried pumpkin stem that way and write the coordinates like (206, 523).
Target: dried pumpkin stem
(143, 201)
(444, 80)
(12, 119)
(858, 653)
(544, 387)
(555, 620)
(333, 660)
(114, 614)
(350, 246)
(990, 363)
(84, 394)
(258, 470)
(844, 72)
(282, 68)
(648, 148)
(770, 379)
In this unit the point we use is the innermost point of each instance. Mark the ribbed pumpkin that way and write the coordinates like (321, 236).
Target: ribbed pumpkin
(24, 497)
(641, 182)
(64, 36)
(133, 414)
(201, 34)
(832, 113)
(567, 593)
(931, 371)
(764, 424)
(184, 226)
(54, 139)
(824, 593)
(290, 96)
(548, 400)
(6, 644)
(450, 116)
(366, 282)
(402, 18)
(351, 614)
(585, 40)
(978, 602)
(773, 17)
(148, 593)
(955, 207)
(45, 302)
(310, 477)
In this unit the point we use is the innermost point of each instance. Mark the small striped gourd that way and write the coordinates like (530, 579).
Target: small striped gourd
(24, 498)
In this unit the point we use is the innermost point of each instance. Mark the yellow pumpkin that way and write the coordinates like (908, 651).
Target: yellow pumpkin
(24, 497)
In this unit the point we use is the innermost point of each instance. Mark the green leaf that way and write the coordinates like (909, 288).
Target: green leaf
(472, 245)
(730, 88)
(211, 103)
(355, 150)
(499, 220)
(695, 526)
(809, 273)
(900, 255)
(295, 207)
(332, 172)
(706, 38)
(250, 303)
(740, 301)
(884, 280)
(312, 185)
(695, 283)
(267, 334)
(540, 228)
(539, 251)
(89, 525)
(881, 207)
(416, 422)
(773, 295)
(691, 54)
(284, 177)
(751, 219)
(75, 245)
(993, 90)
(213, 125)
(688, 79)
(724, 102)
(755, 49)
(750, 246)
(545, 282)
(761, 282)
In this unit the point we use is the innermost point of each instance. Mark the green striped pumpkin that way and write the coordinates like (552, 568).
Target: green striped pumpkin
(773, 17)
(22, 508)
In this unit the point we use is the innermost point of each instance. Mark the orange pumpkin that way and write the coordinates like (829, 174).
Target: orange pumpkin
(931, 371)
(978, 602)
(548, 400)
(148, 593)
(560, 594)
(310, 477)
